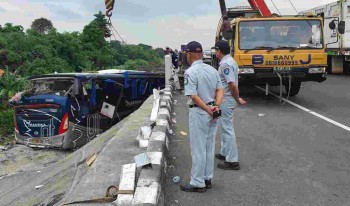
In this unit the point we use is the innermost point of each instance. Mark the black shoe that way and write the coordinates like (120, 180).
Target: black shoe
(229, 166)
(220, 157)
(189, 188)
(208, 184)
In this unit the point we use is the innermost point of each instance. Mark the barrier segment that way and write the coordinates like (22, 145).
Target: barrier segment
(149, 189)
(127, 183)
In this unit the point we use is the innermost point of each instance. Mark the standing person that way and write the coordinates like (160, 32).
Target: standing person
(167, 50)
(174, 58)
(205, 92)
(225, 25)
(228, 70)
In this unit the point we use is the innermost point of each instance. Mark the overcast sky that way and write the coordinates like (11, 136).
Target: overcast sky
(158, 23)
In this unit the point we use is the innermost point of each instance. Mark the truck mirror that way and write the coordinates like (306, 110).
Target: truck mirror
(332, 25)
(341, 27)
(228, 34)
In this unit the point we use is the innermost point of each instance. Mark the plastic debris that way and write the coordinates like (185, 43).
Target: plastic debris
(174, 121)
(38, 171)
(183, 133)
(174, 113)
(175, 101)
(144, 133)
(37, 187)
(142, 160)
(176, 179)
(143, 143)
(171, 131)
(261, 115)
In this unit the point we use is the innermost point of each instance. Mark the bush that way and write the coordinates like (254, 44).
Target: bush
(6, 121)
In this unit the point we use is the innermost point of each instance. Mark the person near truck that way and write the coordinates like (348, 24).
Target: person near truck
(228, 71)
(226, 25)
(205, 91)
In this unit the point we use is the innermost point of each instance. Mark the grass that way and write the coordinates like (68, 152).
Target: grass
(8, 140)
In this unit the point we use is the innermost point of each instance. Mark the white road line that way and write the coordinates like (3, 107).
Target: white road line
(309, 111)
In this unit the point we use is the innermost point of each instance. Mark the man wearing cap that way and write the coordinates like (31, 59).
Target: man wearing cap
(228, 71)
(205, 91)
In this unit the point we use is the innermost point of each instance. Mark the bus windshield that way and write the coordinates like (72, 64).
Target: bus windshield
(50, 86)
(279, 34)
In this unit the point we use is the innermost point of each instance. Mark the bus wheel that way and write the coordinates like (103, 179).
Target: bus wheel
(295, 88)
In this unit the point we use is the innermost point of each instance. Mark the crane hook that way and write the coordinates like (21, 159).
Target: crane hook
(109, 12)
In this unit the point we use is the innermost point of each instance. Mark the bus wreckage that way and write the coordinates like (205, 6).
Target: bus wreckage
(69, 110)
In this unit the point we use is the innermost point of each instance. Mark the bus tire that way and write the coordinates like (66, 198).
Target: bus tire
(295, 88)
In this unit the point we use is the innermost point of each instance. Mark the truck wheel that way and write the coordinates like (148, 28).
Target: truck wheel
(295, 88)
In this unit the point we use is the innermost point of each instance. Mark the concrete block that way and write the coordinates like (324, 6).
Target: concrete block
(158, 136)
(156, 146)
(164, 111)
(163, 122)
(167, 98)
(148, 190)
(127, 182)
(163, 116)
(168, 94)
(156, 158)
(165, 104)
(159, 128)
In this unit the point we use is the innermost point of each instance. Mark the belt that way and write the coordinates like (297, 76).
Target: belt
(209, 104)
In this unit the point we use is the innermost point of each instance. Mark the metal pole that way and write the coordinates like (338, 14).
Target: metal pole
(280, 86)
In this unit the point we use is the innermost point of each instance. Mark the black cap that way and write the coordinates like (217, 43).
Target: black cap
(223, 46)
(194, 47)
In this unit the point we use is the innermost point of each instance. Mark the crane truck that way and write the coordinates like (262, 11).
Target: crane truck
(274, 50)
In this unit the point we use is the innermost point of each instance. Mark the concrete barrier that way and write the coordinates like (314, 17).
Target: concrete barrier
(149, 189)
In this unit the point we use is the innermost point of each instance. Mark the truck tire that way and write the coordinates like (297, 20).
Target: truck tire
(295, 88)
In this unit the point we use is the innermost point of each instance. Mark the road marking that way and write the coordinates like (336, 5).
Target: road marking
(309, 111)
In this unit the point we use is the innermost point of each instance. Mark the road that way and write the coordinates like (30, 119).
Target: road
(288, 156)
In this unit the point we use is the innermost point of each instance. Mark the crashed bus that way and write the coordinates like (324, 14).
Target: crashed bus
(68, 110)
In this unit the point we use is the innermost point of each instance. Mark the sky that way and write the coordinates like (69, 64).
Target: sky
(158, 23)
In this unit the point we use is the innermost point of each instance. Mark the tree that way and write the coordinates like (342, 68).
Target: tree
(42, 25)
(9, 85)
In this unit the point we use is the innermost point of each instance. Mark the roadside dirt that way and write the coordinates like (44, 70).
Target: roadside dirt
(18, 158)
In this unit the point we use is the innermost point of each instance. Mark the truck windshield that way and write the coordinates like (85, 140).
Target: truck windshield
(280, 34)
(50, 86)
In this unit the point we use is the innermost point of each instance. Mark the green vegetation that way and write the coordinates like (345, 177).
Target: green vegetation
(42, 50)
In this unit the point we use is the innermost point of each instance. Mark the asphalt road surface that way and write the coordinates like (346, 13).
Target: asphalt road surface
(289, 154)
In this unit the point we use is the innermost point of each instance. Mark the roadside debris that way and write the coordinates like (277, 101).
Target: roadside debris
(174, 113)
(91, 159)
(175, 101)
(261, 115)
(183, 133)
(174, 121)
(171, 131)
(142, 160)
(37, 187)
(176, 179)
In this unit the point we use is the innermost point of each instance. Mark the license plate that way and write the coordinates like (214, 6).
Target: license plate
(37, 141)
(282, 70)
